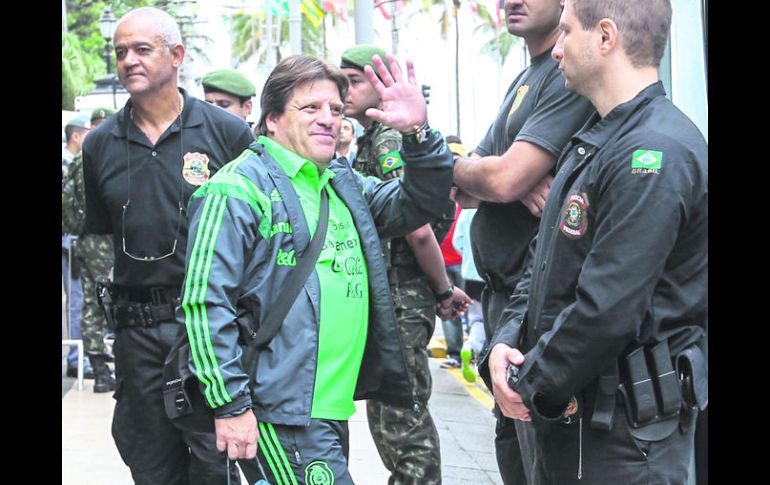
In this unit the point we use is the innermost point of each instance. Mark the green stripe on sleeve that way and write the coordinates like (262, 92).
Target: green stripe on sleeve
(195, 290)
(191, 310)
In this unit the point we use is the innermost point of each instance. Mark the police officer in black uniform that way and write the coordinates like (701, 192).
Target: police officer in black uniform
(607, 322)
(509, 174)
(140, 168)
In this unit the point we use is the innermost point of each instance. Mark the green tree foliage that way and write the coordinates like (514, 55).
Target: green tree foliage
(78, 69)
(83, 45)
(499, 45)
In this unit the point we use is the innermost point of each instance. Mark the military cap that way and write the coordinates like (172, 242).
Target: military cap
(99, 113)
(229, 81)
(361, 55)
(80, 121)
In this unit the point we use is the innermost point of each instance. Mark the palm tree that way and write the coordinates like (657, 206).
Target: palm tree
(249, 30)
(78, 69)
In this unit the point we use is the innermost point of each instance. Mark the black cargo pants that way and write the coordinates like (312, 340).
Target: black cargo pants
(153, 448)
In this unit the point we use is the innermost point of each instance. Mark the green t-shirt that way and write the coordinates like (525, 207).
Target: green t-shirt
(344, 285)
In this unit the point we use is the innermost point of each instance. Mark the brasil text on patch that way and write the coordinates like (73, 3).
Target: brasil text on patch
(646, 161)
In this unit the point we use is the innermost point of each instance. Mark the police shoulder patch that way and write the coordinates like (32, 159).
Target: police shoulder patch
(196, 168)
(574, 218)
(390, 161)
(646, 161)
(318, 473)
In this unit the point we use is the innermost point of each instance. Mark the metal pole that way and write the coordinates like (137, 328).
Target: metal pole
(114, 98)
(394, 28)
(362, 15)
(107, 56)
(295, 27)
(270, 58)
(457, 68)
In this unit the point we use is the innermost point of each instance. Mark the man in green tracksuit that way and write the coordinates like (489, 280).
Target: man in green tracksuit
(253, 220)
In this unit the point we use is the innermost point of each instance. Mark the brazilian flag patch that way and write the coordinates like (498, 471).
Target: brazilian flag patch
(390, 161)
(646, 161)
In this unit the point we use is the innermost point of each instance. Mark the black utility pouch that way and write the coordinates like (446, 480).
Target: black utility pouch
(641, 391)
(668, 394)
(183, 402)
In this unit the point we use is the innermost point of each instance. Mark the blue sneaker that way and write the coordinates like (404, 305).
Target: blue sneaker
(465, 356)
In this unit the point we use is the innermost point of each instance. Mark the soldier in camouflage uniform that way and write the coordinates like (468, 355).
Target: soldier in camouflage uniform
(94, 252)
(407, 439)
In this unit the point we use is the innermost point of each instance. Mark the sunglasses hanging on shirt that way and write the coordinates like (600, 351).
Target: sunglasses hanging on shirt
(127, 204)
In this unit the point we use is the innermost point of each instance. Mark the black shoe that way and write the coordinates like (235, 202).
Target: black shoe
(103, 381)
(88, 372)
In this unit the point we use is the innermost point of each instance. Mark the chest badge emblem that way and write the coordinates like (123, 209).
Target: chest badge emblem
(196, 168)
(520, 93)
(574, 219)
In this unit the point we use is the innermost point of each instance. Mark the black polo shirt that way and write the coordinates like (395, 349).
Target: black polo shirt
(537, 109)
(622, 254)
(162, 177)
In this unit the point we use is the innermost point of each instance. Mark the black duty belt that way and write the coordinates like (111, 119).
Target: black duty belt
(145, 307)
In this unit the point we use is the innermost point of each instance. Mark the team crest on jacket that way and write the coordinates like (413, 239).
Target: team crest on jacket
(574, 218)
(196, 168)
(319, 473)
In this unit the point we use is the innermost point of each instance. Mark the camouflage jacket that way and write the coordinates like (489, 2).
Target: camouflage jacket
(73, 197)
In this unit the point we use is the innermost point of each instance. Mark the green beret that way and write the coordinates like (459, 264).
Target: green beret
(81, 121)
(99, 113)
(361, 55)
(229, 81)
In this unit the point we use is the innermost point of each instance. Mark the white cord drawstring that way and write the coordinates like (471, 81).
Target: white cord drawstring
(580, 452)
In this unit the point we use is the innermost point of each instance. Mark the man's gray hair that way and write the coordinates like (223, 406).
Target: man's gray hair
(167, 28)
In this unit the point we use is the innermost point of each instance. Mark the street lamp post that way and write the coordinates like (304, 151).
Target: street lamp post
(109, 84)
(107, 23)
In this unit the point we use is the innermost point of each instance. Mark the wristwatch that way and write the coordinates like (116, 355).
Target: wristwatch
(443, 296)
(419, 132)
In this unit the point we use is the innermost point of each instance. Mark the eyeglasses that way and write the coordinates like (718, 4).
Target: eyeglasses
(150, 258)
(127, 204)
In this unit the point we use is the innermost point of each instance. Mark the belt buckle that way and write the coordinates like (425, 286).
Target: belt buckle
(158, 295)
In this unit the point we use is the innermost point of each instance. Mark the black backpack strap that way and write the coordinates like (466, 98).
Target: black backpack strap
(305, 264)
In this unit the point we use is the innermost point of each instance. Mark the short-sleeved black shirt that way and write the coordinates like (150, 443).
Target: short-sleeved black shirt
(538, 109)
(160, 176)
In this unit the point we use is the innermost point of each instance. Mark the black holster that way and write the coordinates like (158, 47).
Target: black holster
(105, 295)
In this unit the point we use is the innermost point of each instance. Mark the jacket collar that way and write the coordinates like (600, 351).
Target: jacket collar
(597, 131)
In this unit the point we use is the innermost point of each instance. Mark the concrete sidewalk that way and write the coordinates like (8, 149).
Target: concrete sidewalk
(465, 425)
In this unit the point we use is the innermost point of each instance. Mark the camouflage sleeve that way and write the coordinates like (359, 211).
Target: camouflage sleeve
(387, 150)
